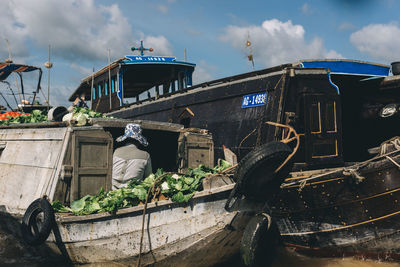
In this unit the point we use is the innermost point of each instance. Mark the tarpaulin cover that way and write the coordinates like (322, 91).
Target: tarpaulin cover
(7, 68)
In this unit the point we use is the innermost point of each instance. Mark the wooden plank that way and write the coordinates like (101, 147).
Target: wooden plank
(18, 134)
(40, 154)
(20, 185)
(146, 124)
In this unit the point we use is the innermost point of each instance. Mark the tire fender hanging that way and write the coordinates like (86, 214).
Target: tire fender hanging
(37, 222)
(259, 242)
(255, 176)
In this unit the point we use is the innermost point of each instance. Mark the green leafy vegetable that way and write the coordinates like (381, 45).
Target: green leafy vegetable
(178, 187)
(35, 116)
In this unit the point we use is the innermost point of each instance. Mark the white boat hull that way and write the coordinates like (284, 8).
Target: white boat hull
(199, 233)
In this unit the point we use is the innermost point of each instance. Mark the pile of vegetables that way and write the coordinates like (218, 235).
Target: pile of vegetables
(6, 115)
(79, 116)
(161, 185)
(17, 117)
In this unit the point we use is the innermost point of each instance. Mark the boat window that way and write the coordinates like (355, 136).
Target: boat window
(99, 88)
(94, 93)
(106, 88)
(113, 84)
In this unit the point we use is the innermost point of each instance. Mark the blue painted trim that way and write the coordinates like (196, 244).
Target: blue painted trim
(348, 67)
(153, 60)
(119, 88)
(333, 84)
(149, 59)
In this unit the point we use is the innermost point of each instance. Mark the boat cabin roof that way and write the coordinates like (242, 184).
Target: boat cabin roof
(140, 74)
(347, 67)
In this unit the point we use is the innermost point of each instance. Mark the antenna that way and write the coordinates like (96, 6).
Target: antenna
(9, 61)
(48, 65)
(248, 45)
(184, 55)
(93, 91)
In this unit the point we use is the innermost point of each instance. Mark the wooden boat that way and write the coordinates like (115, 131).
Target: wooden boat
(66, 163)
(341, 197)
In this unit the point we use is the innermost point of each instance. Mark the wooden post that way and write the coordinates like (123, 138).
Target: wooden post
(92, 91)
(109, 77)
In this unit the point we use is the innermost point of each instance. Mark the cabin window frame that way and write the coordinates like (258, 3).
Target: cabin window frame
(94, 92)
(99, 88)
(113, 80)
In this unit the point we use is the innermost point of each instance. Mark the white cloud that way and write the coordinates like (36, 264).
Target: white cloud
(76, 29)
(202, 72)
(79, 31)
(379, 41)
(160, 44)
(276, 42)
(14, 32)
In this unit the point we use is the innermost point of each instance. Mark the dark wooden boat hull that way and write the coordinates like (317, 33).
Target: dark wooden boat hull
(338, 215)
(338, 212)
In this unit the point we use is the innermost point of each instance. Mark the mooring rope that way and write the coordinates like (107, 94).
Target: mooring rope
(151, 189)
(344, 170)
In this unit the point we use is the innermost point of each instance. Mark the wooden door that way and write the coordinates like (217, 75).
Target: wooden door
(92, 163)
(322, 129)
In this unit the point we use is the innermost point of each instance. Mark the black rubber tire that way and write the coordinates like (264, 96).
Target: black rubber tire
(255, 175)
(33, 231)
(260, 242)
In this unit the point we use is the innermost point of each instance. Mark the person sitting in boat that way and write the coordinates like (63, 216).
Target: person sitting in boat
(130, 161)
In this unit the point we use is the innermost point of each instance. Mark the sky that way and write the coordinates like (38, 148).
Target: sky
(213, 32)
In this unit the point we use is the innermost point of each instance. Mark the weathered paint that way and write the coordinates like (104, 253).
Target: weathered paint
(28, 165)
(170, 229)
(202, 231)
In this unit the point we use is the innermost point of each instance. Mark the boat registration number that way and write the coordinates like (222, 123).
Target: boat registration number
(254, 100)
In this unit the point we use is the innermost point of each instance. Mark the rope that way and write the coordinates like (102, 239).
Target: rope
(355, 174)
(286, 140)
(302, 185)
(241, 142)
(384, 147)
(152, 188)
(355, 166)
(393, 161)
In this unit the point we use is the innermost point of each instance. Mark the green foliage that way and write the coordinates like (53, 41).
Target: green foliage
(178, 187)
(90, 113)
(35, 116)
(60, 207)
